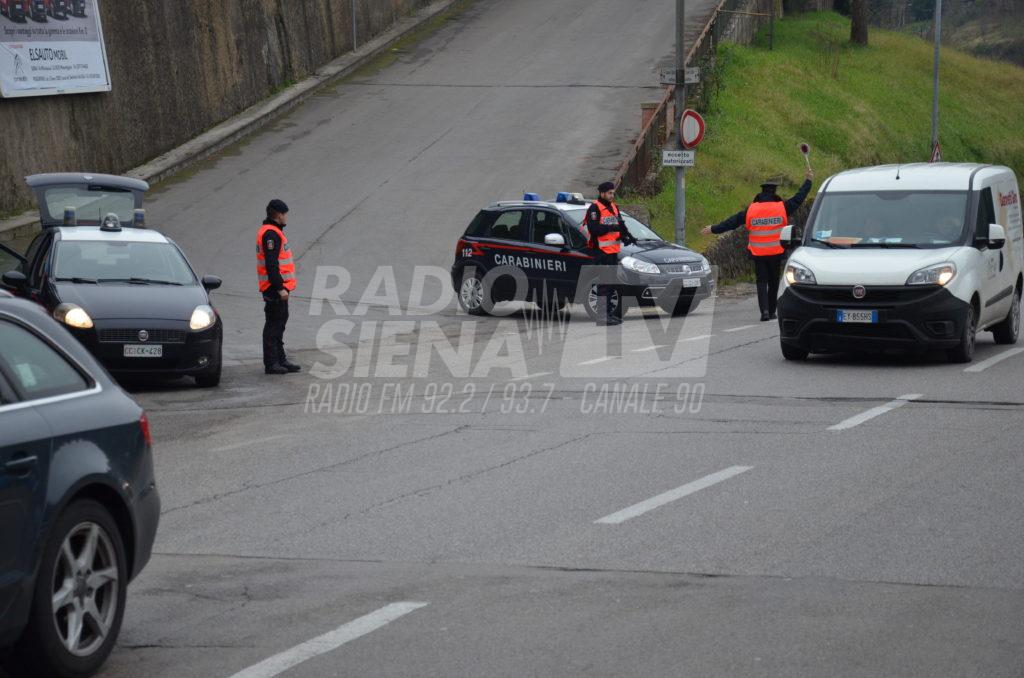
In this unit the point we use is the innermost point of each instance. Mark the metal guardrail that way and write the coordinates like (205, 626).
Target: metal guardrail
(724, 20)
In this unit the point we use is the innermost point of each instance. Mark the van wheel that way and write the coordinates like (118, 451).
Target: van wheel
(964, 351)
(79, 597)
(1008, 330)
(790, 352)
(472, 292)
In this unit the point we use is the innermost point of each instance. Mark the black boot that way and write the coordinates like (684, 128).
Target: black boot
(290, 366)
(764, 316)
(276, 368)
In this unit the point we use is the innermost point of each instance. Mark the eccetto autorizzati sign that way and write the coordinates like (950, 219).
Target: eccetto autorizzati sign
(51, 48)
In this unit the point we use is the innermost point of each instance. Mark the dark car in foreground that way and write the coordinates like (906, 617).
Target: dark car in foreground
(78, 501)
(126, 292)
(544, 245)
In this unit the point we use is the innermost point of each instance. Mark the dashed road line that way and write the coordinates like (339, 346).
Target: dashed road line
(698, 337)
(998, 358)
(329, 641)
(740, 328)
(532, 376)
(645, 349)
(874, 412)
(595, 361)
(672, 495)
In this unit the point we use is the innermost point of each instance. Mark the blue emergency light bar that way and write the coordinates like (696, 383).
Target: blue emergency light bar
(571, 198)
(532, 197)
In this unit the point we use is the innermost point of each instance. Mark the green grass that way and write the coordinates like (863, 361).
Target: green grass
(855, 106)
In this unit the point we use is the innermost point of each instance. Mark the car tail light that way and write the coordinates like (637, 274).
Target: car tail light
(144, 425)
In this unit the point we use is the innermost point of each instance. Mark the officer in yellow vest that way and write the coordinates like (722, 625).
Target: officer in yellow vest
(275, 270)
(764, 220)
(608, 232)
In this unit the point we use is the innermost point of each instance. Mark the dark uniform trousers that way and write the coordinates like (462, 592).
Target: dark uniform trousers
(767, 271)
(608, 311)
(276, 310)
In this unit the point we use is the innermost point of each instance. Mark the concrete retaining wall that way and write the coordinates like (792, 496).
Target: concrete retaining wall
(178, 68)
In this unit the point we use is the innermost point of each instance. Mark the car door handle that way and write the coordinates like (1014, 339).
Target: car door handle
(20, 465)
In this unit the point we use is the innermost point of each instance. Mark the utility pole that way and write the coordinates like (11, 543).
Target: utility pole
(936, 152)
(680, 212)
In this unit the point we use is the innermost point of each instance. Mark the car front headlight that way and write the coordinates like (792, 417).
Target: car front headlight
(939, 274)
(73, 315)
(634, 264)
(705, 264)
(798, 274)
(202, 318)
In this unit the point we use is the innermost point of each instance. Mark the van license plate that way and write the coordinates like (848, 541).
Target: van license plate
(856, 316)
(140, 351)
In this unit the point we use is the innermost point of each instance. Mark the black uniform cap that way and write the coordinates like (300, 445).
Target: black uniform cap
(606, 186)
(278, 206)
(771, 184)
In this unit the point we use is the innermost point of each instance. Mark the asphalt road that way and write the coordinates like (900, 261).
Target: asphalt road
(500, 512)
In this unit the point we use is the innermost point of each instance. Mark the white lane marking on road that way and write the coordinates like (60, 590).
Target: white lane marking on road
(998, 358)
(246, 443)
(672, 495)
(874, 412)
(532, 376)
(698, 337)
(329, 641)
(740, 328)
(597, 360)
(645, 349)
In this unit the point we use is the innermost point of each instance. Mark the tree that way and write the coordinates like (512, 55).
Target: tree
(859, 21)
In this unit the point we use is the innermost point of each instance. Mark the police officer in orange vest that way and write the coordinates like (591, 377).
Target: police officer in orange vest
(764, 220)
(275, 269)
(607, 232)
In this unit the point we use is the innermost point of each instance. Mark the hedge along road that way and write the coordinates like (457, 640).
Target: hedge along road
(389, 167)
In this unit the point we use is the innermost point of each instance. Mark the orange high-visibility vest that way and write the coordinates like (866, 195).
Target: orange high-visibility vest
(609, 243)
(764, 226)
(284, 260)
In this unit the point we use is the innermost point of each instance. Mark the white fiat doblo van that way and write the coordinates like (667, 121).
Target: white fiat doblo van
(919, 256)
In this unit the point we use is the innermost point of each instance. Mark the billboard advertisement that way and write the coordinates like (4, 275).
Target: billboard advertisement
(51, 47)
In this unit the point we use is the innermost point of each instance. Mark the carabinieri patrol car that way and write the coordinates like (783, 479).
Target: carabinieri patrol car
(537, 250)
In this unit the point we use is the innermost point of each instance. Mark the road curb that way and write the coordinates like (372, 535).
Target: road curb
(257, 116)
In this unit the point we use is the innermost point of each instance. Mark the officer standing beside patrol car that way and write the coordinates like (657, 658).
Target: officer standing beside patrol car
(608, 232)
(275, 270)
(764, 219)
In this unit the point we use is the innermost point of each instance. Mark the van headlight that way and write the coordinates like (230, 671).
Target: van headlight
(634, 264)
(202, 318)
(73, 315)
(939, 274)
(798, 274)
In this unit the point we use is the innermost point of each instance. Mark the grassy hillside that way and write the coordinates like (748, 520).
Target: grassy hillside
(855, 106)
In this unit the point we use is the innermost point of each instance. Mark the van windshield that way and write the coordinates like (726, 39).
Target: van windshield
(923, 219)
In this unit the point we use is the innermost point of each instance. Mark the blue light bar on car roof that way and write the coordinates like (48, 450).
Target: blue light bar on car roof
(532, 197)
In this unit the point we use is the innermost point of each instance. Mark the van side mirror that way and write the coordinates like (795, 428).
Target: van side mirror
(15, 280)
(211, 282)
(554, 240)
(996, 236)
(786, 236)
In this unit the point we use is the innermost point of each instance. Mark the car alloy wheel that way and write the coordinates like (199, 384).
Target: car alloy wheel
(592, 299)
(472, 293)
(85, 589)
